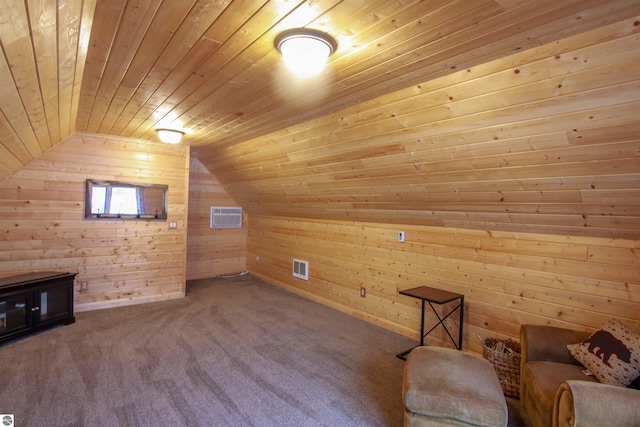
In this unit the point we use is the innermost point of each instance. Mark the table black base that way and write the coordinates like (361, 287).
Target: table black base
(405, 353)
(436, 296)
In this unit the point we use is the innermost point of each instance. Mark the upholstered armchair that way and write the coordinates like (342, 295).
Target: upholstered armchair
(555, 391)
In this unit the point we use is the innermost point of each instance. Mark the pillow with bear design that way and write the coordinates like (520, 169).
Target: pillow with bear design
(611, 354)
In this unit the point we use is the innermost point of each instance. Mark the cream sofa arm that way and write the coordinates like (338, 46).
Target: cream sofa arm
(591, 404)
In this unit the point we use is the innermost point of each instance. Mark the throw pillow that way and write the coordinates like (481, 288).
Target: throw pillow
(611, 354)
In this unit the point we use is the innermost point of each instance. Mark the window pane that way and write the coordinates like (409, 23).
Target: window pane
(123, 201)
(98, 199)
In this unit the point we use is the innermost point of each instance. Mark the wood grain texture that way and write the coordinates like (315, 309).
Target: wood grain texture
(123, 262)
(508, 279)
(502, 136)
(211, 252)
(128, 67)
(543, 141)
(44, 44)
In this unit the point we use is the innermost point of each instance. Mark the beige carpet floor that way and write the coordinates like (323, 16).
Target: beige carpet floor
(237, 352)
(232, 353)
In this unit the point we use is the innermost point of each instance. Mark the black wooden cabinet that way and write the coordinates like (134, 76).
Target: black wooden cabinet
(34, 301)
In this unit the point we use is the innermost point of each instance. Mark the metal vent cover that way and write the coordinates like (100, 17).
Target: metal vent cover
(301, 269)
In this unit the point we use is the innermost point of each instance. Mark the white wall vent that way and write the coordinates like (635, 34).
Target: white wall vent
(301, 269)
(226, 217)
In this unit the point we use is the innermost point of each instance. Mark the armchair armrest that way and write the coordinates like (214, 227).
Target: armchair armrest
(584, 403)
(548, 343)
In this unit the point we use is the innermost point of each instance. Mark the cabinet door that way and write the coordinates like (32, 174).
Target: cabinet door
(15, 313)
(51, 303)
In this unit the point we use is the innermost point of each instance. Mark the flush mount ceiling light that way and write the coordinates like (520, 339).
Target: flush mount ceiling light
(305, 51)
(170, 136)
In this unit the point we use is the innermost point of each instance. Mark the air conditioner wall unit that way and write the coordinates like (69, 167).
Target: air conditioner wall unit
(226, 217)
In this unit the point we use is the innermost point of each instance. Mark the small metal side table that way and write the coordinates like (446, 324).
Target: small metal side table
(436, 296)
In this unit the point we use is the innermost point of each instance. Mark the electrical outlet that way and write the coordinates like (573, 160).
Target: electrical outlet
(257, 260)
(84, 286)
(400, 236)
(363, 291)
(173, 224)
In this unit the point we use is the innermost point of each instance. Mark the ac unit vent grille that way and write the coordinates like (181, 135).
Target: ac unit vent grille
(301, 269)
(226, 217)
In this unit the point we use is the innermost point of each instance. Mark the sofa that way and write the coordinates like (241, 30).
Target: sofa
(554, 389)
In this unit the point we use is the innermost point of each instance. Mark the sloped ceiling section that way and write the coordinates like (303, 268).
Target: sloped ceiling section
(209, 67)
(44, 46)
(543, 141)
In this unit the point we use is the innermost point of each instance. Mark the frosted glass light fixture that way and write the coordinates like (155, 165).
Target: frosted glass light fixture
(305, 51)
(170, 136)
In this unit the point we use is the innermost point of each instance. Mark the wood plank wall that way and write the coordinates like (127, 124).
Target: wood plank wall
(211, 252)
(543, 141)
(516, 182)
(508, 278)
(123, 262)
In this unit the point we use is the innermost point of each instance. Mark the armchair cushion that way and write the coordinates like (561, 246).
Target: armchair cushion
(611, 354)
(541, 380)
(555, 391)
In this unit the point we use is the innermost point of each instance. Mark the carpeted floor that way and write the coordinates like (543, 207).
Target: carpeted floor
(237, 352)
(232, 353)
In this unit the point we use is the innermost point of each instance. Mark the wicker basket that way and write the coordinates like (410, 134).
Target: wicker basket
(505, 362)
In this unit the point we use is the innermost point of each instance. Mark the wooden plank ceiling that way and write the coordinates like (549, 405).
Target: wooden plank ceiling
(126, 67)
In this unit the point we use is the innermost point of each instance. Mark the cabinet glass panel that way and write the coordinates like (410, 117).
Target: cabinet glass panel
(53, 303)
(13, 313)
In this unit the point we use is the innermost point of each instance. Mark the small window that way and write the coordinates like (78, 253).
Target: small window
(107, 199)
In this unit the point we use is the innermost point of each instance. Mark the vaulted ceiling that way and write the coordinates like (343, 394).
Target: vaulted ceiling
(127, 67)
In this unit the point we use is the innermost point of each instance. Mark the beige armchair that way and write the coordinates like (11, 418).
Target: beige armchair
(555, 392)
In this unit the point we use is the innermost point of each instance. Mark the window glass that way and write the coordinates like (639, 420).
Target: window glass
(98, 200)
(124, 200)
